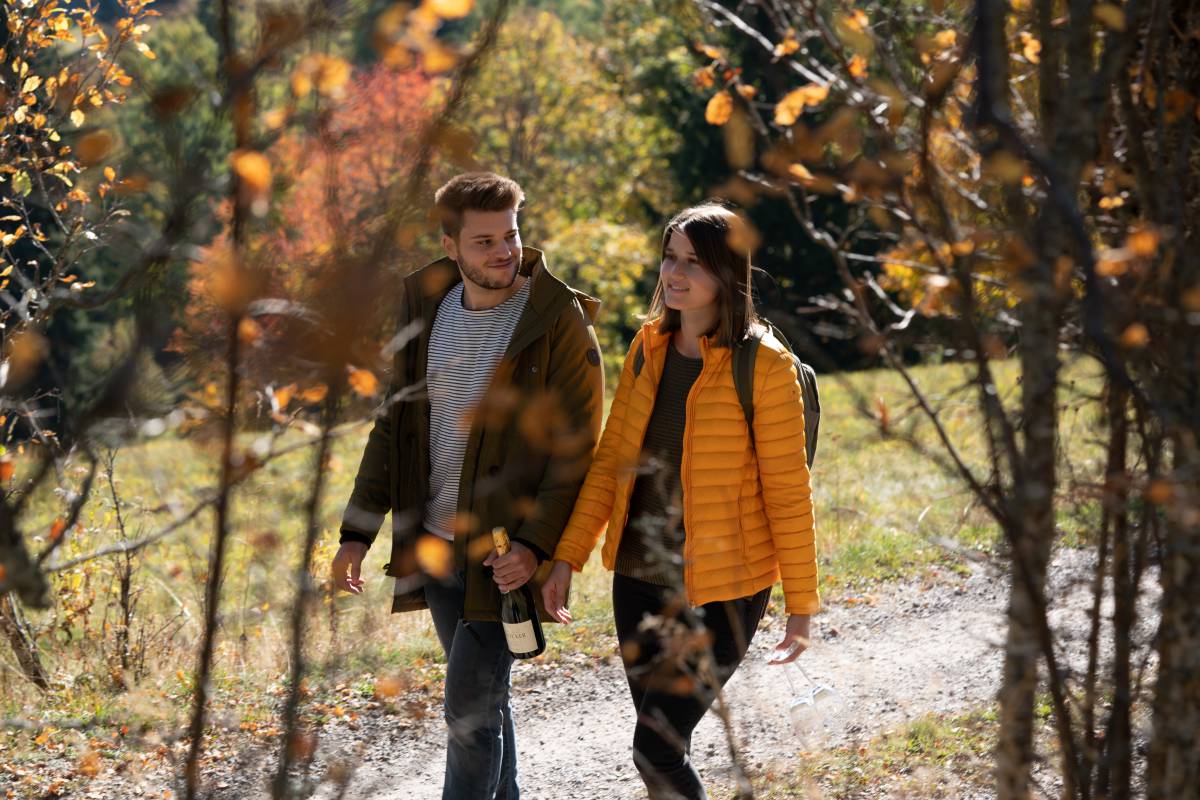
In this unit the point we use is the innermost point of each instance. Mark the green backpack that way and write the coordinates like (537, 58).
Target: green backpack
(744, 354)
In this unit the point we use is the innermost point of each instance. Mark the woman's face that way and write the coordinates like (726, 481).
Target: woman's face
(687, 286)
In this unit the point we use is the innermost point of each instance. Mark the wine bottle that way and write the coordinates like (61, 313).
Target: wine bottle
(518, 613)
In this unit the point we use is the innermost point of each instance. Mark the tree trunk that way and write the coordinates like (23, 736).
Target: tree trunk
(1174, 768)
(12, 624)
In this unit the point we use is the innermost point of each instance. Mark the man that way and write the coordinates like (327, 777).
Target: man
(493, 415)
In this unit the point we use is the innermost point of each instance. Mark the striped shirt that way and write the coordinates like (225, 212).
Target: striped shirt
(465, 347)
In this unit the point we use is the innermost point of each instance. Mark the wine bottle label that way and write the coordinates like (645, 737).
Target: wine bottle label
(520, 635)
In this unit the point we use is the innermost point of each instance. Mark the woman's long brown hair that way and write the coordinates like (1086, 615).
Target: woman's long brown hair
(719, 238)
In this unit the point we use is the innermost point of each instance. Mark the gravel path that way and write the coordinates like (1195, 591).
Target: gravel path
(896, 655)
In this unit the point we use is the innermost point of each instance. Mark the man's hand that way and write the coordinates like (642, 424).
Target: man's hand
(554, 591)
(795, 640)
(349, 558)
(513, 569)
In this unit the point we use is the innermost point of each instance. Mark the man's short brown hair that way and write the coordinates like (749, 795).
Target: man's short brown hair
(474, 191)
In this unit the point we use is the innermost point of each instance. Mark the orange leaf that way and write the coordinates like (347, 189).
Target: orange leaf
(858, 67)
(364, 382)
(1143, 242)
(314, 394)
(7, 469)
(438, 58)
(857, 21)
(789, 109)
(711, 52)
(249, 331)
(89, 765)
(788, 46)
(800, 172)
(885, 417)
(57, 528)
(719, 109)
(283, 396)
(434, 556)
(252, 168)
(1135, 336)
(747, 92)
(93, 147)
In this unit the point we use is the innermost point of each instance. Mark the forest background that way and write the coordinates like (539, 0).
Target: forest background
(975, 219)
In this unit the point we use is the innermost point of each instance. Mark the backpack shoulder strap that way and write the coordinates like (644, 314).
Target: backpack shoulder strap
(745, 353)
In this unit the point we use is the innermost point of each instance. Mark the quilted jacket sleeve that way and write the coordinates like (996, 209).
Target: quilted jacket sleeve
(783, 471)
(596, 499)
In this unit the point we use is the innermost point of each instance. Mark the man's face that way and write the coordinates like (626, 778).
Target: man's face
(488, 248)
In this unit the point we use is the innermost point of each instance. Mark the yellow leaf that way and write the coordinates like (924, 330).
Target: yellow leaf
(788, 46)
(77, 118)
(1031, 48)
(946, 39)
(719, 108)
(711, 52)
(363, 382)
(747, 92)
(800, 172)
(252, 168)
(332, 75)
(31, 84)
(110, 174)
(449, 9)
(145, 50)
(1110, 16)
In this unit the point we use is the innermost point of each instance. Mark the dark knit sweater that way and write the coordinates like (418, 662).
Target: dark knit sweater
(652, 543)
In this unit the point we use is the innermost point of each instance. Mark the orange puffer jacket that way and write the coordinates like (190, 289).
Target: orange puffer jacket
(748, 515)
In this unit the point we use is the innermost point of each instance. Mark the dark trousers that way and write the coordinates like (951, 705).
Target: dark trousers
(481, 754)
(670, 692)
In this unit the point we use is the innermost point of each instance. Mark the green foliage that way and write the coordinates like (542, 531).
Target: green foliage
(608, 261)
(545, 114)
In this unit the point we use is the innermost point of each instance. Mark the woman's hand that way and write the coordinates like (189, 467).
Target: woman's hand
(795, 640)
(554, 591)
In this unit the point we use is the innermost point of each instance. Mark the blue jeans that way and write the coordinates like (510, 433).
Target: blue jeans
(481, 757)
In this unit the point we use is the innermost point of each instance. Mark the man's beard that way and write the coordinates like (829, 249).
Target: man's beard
(487, 278)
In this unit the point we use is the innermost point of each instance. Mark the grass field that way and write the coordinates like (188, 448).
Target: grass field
(883, 512)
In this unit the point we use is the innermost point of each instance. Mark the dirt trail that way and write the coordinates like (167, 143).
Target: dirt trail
(907, 650)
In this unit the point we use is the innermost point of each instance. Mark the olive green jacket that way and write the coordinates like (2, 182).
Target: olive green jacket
(532, 438)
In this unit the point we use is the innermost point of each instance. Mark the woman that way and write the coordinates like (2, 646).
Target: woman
(701, 518)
